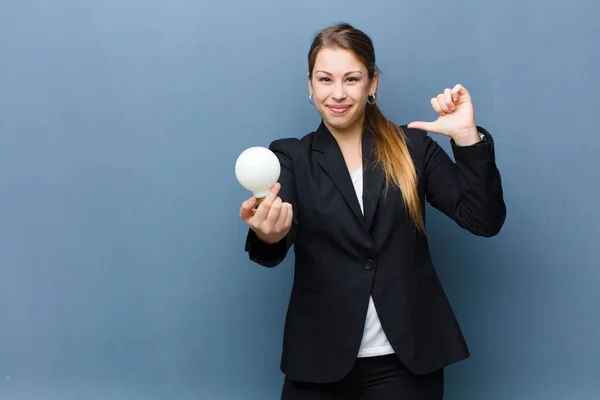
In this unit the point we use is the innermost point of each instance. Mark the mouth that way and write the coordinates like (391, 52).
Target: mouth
(339, 109)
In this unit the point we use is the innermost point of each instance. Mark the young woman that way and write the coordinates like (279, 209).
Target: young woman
(368, 317)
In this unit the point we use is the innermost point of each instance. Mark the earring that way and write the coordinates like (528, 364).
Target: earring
(310, 99)
(369, 97)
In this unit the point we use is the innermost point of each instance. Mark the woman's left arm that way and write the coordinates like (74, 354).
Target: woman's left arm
(469, 190)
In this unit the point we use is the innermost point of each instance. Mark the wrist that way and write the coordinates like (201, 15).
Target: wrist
(270, 240)
(467, 137)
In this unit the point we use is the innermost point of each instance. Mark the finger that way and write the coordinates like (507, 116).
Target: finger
(263, 209)
(249, 203)
(280, 225)
(448, 99)
(436, 107)
(290, 216)
(460, 91)
(425, 126)
(454, 94)
(274, 212)
(442, 103)
(458, 88)
(247, 208)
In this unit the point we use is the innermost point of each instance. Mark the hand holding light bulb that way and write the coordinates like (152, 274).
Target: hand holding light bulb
(257, 169)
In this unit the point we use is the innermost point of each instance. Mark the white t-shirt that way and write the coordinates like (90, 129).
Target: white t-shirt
(374, 341)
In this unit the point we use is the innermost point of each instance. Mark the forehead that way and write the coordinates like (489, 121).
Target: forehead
(337, 61)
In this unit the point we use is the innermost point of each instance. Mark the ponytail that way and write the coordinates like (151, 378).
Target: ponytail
(393, 154)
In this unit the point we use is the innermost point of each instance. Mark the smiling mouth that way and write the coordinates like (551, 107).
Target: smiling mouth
(339, 109)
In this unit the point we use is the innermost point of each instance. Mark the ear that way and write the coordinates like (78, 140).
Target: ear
(374, 83)
(310, 89)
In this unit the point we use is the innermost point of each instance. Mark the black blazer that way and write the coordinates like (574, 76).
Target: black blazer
(342, 257)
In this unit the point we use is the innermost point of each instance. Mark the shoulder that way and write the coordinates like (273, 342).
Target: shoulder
(293, 147)
(413, 134)
(420, 145)
(416, 139)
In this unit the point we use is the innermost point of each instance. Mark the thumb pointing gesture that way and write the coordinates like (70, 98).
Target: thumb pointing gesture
(455, 113)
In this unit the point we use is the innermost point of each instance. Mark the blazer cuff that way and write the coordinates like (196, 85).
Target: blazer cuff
(482, 150)
(263, 253)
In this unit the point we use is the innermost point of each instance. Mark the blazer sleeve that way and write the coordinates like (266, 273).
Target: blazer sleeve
(468, 190)
(271, 255)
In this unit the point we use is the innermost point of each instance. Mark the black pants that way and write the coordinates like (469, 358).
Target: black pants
(371, 378)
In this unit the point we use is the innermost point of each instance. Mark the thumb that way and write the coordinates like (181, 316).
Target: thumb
(425, 126)
(247, 209)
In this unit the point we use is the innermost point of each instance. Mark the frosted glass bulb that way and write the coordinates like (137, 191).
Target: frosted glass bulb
(257, 169)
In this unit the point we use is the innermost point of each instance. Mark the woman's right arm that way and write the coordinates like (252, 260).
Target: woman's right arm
(272, 226)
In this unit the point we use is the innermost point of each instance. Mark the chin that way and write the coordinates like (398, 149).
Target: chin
(341, 123)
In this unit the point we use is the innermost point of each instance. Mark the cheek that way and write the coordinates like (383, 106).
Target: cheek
(320, 94)
(359, 93)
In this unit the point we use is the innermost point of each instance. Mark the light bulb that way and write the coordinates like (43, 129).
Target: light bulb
(257, 169)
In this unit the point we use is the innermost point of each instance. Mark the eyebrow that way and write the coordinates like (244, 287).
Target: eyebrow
(349, 72)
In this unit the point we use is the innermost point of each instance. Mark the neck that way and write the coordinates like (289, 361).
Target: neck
(349, 136)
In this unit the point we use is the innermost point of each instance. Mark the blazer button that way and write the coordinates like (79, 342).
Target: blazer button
(369, 265)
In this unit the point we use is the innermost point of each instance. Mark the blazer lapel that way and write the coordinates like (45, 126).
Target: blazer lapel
(331, 159)
(373, 178)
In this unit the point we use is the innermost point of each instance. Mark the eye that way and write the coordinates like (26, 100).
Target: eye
(324, 79)
(353, 79)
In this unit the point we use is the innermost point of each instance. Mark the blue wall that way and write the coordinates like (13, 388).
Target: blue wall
(122, 270)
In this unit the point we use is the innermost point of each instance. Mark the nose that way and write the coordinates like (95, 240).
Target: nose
(339, 92)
